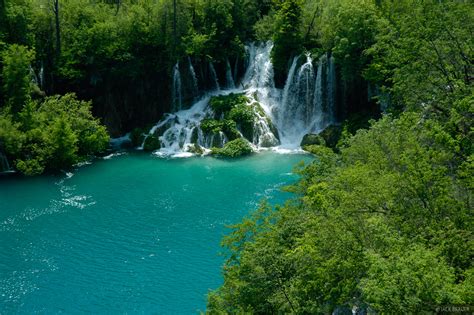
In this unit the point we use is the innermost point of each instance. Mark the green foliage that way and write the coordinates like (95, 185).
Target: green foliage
(16, 76)
(234, 148)
(222, 104)
(386, 225)
(52, 135)
(422, 53)
(287, 37)
(244, 116)
(349, 28)
(211, 126)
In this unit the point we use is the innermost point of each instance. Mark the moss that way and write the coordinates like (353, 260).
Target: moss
(222, 104)
(152, 143)
(211, 126)
(234, 148)
(195, 149)
(230, 129)
(244, 116)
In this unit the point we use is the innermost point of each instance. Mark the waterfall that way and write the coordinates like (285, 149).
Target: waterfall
(296, 113)
(193, 78)
(214, 76)
(177, 94)
(41, 76)
(282, 117)
(4, 165)
(318, 95)
(229, 78)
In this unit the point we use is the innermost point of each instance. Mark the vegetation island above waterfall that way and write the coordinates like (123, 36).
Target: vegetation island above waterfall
(380, 91)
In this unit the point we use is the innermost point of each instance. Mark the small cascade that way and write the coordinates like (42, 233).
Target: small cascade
(296, 113)
(281, 117)
(318, 95)
(229, 78)
(34, 77)
(193, 78)
(214, 76)
(177, 93)
(4, 165)
(41, 76)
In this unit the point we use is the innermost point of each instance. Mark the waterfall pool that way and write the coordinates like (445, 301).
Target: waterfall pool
(131, 234)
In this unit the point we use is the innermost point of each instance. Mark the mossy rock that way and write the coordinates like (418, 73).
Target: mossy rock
(222, 104)
(137, 136)
(312, 139)
(245, 117)
(161, 130)
(195, 135)
(331, 135)
(229, 127)
(234, 148)
(152, 143)
(195, 149)
(211, 126)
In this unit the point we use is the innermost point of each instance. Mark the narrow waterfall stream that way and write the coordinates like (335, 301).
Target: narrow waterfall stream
(305, 104)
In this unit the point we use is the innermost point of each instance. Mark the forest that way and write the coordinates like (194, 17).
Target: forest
(381, 221)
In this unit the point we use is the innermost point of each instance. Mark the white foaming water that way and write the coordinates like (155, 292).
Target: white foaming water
(283, 117)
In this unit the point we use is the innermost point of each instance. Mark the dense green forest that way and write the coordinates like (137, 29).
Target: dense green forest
(382, 220)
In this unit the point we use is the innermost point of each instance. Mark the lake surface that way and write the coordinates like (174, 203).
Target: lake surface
(133, 233)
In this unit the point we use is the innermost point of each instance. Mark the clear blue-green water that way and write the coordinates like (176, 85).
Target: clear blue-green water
(131, 234)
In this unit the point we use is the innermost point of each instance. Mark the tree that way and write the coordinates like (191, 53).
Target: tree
(287, 38)
(16, 77)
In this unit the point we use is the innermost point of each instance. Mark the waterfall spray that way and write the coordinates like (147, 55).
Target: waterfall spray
(305, 105)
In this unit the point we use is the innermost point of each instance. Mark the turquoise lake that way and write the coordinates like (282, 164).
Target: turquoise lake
(130, 234)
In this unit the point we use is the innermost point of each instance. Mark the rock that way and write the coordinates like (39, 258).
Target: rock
(152, 143)
(234, 148)
(331, 135)
(195, 135)
(195, 149)
(312, 139)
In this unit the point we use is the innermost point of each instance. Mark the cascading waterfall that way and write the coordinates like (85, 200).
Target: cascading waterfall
(282, 117)
(177, 93)
(229, 78)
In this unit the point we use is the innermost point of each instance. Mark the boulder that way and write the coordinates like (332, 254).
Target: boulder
(312, 139)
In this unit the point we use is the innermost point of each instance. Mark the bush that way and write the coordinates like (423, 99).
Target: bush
(234, 148)
(224, 103)
(52, 135)
(211, 126)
